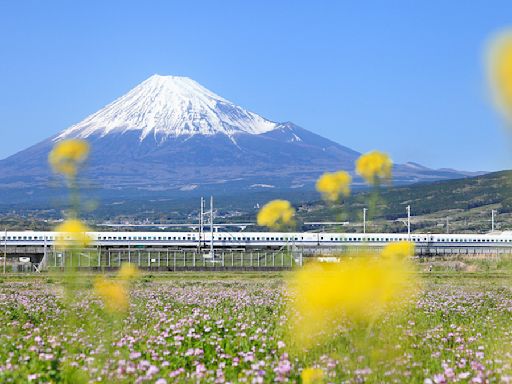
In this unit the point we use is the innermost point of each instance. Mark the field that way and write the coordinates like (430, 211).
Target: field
(233, 328)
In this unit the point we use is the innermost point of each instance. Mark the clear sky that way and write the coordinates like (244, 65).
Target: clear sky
(406, 77)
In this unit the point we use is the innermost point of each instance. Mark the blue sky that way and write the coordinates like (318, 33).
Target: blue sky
(404, 77)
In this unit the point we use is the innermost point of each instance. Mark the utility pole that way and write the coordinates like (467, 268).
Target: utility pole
(447, 223)
(493, 215)
(211, 226)
(201, 222)
(364, 219)
(5, 249)
(408, 208)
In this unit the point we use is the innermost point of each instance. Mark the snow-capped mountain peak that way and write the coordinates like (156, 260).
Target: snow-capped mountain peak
(170, 106)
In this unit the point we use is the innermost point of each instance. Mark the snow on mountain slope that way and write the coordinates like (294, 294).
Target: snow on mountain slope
(170, 106)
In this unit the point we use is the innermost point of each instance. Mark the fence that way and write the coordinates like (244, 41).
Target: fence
(165, 259)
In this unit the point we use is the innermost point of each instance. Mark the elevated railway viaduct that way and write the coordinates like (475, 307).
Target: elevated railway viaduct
(175, 250)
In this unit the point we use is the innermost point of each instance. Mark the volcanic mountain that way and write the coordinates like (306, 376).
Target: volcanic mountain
(170, 133)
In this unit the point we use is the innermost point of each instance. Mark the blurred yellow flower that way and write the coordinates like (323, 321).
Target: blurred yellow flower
(113, 294)
(500, 72)
(312, 376)
(67, 155)
(332, 185)
(128, 271)
(400, 250)
(72, 233)
(374, 166)
(357, 289)
(275, 214)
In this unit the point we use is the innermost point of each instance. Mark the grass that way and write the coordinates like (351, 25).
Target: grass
(216, 327)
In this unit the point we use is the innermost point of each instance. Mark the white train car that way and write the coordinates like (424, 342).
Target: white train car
(261, 239)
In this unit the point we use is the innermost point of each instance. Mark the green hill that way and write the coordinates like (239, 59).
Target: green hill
(466, 203)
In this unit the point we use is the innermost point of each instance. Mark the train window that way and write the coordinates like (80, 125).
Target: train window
(321, 238)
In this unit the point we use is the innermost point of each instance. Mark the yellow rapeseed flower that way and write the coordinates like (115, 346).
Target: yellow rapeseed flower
(67, 155)
(374, 166)
(312, 376)
(72, 233)
(275, 214)
(113, 294)
(128, 271)
(332, 185)
(357, 289)
(400, 250)
(500, 72)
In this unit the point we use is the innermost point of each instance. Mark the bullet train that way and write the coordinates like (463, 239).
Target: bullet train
(260, 239)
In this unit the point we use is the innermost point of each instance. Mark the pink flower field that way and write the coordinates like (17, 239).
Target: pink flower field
(226, 328)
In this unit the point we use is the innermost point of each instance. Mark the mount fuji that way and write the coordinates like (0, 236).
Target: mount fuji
(171, 134)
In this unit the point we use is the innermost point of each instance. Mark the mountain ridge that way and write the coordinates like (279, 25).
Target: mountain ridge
(169, 133)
